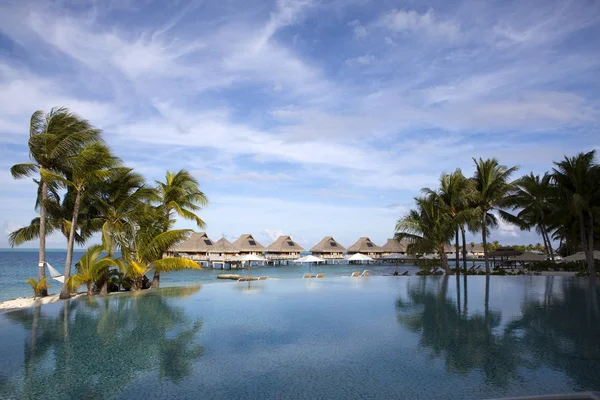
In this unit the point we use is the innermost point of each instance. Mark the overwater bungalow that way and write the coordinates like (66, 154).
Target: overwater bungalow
(328, 249)
(221, 252)
(196, 247)
(475, 251)
(364, 245)
(283, 249)
(393, 246)
(246, 244)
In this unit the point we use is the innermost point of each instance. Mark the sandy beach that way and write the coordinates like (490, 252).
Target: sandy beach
(25, 302)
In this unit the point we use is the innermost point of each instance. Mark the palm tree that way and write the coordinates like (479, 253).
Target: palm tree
(144, 247)
(492, 185)
(180, 194)
(532, 197)
(578, 181)
(455, 195)
(90, 167)
(91, 268)
(428, 227)
(52, 138)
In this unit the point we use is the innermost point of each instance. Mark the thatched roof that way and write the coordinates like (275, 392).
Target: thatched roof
(394, 246)
(247, 243)
(223, 246)
(478, 248)
(364, 245)
(198, 242)
(284, 244)
(328, 245)
(505, 252)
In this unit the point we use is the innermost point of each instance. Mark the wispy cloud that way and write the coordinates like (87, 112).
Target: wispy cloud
(306, 108)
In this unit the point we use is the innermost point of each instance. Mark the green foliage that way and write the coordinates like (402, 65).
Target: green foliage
(37, 286)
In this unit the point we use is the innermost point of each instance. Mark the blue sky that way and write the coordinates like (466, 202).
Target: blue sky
(304, 117)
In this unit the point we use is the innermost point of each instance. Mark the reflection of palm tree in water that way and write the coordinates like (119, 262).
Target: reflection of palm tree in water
(466, 343)
(562, 330)
(101, 345)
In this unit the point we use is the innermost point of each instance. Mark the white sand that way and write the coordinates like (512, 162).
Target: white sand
(24, 302)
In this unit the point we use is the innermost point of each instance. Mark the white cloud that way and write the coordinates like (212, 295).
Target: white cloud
(427, 23)
(358, 29)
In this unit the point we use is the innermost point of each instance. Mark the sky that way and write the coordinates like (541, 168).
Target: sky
(304, 117)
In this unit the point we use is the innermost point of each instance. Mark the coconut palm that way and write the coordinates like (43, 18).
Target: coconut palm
(428, 227)
(492, 186)
(52, 138)
(144, 248)
(455, 195)
(532, 197)
(91, 268)
(90, 167)
(179, 195)
(578, 181)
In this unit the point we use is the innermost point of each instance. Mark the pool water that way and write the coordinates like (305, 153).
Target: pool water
(367, 338)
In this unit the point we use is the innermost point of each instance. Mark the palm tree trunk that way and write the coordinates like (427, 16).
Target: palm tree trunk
(545, 241)
(156, 279)
(444, 260)
(42, 259)
(549, 245)
(464, 248)
(584, 243)
(590, 254)
(457, 259)
(65, 293)
(484, 239)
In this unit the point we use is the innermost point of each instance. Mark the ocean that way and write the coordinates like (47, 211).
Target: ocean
(17, 265)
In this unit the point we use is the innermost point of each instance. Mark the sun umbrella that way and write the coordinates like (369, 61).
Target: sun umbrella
(396, 256)
(310, 259)
(360, 257)
(249, 258)
(580, 256)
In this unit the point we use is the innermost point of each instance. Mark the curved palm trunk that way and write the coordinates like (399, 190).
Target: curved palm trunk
(65, 293)
(464, 248)
(42, 258)
(156, 280)
(484, 239)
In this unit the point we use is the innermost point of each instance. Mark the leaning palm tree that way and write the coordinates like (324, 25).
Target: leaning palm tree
(532, 197)
(179, 195)
(52, 138)
(93, 164)
(578, 181)
(428, 227)
(492, 186)
(91, 269)
(455, 196)
(146, 245)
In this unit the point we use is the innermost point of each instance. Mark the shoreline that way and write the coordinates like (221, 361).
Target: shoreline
(27, 302)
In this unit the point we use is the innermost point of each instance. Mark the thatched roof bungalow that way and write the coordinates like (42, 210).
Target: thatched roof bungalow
(284, 248)
(222, 247)
(246, 244)
(364, 245)
(393, 246)
(475, 251)
(196, 247)
(328, 248)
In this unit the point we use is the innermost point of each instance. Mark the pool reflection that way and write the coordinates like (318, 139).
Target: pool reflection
(560, 331)
(116, 338)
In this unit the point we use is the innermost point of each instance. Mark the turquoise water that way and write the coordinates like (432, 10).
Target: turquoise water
(338, 338)
(18, 265)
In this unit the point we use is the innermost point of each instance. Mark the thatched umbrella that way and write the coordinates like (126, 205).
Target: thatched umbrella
(580, 256)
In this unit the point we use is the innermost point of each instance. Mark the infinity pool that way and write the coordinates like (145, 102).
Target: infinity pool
(367, 338)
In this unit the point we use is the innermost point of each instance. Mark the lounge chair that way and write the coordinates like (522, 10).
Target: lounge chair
(320, 276)
(355, 274)
(405, 273)
(263, 278)
(306, 276)
(365, 273)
